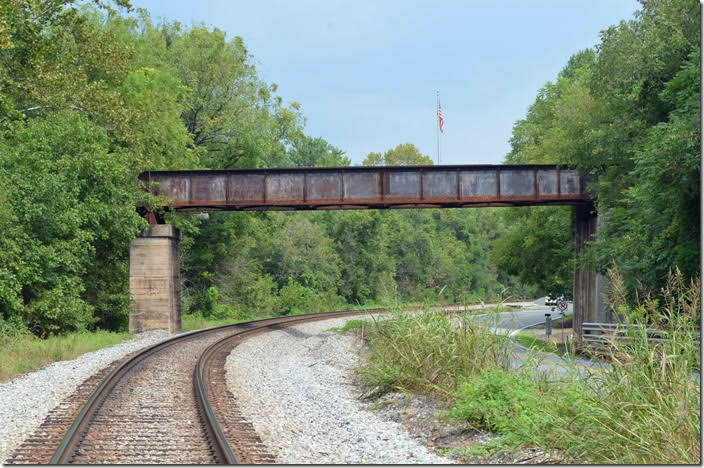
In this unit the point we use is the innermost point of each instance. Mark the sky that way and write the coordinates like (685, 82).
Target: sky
(366, 72)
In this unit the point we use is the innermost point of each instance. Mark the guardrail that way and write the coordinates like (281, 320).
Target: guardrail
(605, 333)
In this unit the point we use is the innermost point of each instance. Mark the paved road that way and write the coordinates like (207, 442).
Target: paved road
(511, 323)
(530, 314)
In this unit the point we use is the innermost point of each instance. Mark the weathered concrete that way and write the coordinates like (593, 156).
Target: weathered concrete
(590, 287)
(155, 280)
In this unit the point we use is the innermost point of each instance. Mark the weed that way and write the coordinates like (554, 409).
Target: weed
(351, 324)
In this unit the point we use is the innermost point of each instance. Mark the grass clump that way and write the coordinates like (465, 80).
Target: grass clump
(531, 342)
(24, 353)
(513, 405)
(644, 410)
(427, 352)
(198, 322)
(350, 325)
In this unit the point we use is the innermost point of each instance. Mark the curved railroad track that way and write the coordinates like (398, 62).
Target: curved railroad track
(169, 404)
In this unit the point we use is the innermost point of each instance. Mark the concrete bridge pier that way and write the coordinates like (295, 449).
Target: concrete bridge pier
(590, 287)
(155, 283)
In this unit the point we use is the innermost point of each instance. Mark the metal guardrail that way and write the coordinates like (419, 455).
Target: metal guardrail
(605, 333)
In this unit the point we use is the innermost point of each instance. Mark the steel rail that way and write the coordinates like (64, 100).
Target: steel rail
(72, 438)
(200, 381)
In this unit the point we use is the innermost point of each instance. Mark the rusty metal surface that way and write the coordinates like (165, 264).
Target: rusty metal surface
(370, 187)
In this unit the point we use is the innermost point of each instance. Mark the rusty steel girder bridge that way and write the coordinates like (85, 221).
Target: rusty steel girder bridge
(370, 187)
(154, 264)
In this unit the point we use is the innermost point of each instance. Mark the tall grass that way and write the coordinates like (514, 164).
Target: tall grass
(647, 408)
(427, 352)
(24, 353)
(644, 410)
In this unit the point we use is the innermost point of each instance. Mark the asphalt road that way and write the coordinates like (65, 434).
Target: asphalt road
(512, 322)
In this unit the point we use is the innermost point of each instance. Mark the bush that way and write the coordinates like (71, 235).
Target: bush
(644, 410)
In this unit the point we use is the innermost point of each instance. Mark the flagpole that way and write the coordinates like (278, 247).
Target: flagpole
(437, 122)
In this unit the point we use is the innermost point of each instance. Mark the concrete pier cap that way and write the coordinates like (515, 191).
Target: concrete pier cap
(155, 283)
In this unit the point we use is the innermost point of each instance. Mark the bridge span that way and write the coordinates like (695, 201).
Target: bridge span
(154, 260)
(370, 187)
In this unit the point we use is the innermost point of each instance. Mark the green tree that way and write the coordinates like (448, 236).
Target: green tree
(405, 154)
(316, 152)
(71, 202)
(628, 114)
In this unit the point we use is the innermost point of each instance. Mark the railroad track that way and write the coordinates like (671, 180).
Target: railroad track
(166, 404)
(169, 404)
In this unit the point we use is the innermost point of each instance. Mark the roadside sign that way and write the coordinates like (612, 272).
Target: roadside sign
(562, 305)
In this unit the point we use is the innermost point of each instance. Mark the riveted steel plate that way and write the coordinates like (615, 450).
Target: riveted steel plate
(245, 188)
(479, 184)
(284, 187)
(517, 183)
(403, 185)
(176, 188)
(440, 185)
(547, 182)
(569, 182)
(324, 186)
(362, 185)
(208, 188)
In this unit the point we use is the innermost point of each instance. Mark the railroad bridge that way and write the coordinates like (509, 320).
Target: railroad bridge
(154, 255)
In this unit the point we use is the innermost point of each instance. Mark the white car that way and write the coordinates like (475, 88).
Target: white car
(550, 300)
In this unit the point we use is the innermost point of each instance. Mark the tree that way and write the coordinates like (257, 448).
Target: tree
(316, 152)
(629, 115)
(71, 202)
(405, 154)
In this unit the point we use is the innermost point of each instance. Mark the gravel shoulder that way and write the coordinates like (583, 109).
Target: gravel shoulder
(25, 401)
(296, 386)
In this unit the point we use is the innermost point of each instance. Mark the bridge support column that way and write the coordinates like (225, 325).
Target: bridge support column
(155, 280)
(590, 287)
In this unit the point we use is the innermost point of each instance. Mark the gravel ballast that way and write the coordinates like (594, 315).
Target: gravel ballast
(26, 400)
(296, 387)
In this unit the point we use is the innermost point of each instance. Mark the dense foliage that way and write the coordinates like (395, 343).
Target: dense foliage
(628, 113)
(90, 96)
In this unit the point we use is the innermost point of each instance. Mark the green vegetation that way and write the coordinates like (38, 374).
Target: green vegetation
(350, 325)
(90, 97)
(426, 351)
(645, 410)
(531, 342)
(25, 353)
(198, 322)
(628, 114)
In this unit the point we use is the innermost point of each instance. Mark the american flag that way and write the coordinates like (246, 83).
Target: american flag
(441, 120)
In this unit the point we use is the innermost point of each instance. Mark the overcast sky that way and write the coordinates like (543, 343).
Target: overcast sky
(366, 72)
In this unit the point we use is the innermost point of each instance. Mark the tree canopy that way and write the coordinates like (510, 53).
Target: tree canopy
(628, 113)
(90, 97)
